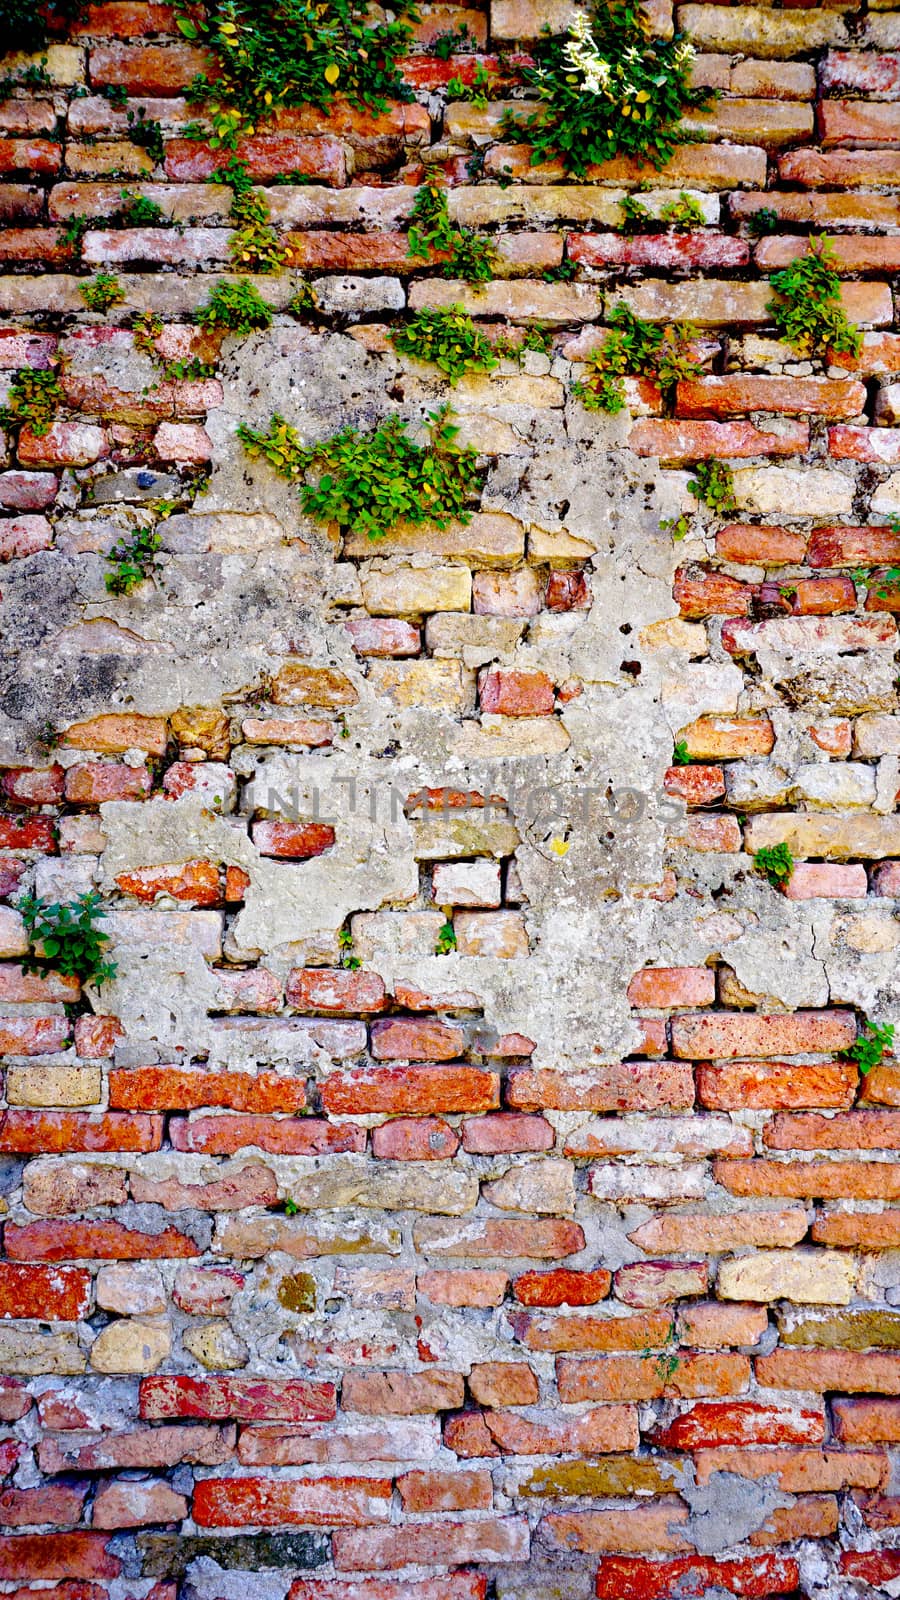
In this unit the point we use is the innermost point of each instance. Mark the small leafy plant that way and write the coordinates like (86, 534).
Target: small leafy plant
(146, 329)
(456, 41)
(470, 256)
(132, 559)
(478, 92)
(102, 291)
(713, 483)
(66, 939)
(449, 339)
(147, 135)
(255, 244)
(633, 348)
(636, 217)
(35, 396)
(683, 214)
(607, 89)
(345, 944)
(138, 211)
(871, 1046)
(762, 222)
(446, 939)
(237, 307)
(681, 755)
(808, 311)
(274, 53)
(72, 235)
(370, 482)
(776, 863)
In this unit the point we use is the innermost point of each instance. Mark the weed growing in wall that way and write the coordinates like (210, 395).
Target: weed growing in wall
(633, 348)
(274, 53)
(35, 396)
(66, 938)
(713, 484)
(24, 23)
(871, 1046)
(449, 339)
(133, 559)
(469, 255)
(255, 244)
(370, 482)
(808, 311)
(776, 863)
(102, 291)
(237, 307)
(607, 88)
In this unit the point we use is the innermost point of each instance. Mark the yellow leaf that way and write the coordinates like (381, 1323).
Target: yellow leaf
(332, 72)
(559, 846)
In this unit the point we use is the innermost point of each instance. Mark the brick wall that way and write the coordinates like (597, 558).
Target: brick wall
(565, 1262)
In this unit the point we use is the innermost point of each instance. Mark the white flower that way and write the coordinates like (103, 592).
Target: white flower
(583, 57)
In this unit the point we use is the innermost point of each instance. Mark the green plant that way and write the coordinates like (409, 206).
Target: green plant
(146, 329)
(35, 396)
(446, 939)
(370, 482)
(775, 862)
(147, 135)
(238, 307)
(449, 339)
(682, 214)
(255, 245)
(274, 53)
(72, 235)
(345, 944)
(713, 483)
(478, 92)
(808, 311)
(636, 349)
(291, 1208)
(763, 221)
(24, 23)
(469, 255)
(870, 1047)
(538, 337)
(891, 577)
(102, 291)
(455, 41)
(636, 216)
(564, 273)
(678, 527)
(66, 939)
(681, 755)
(34, 76)
(606, 89)
(115, 93)
(303, 301)
(133, 560)
(138, 211)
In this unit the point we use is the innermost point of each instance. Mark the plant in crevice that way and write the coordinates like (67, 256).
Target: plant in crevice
(636, 217)
(138, 211)
(303, 302)
(682, 213)
(482, 88)
(35, 396)
(66, 939)
(255, 245)
(145, 330)
(274, 53)
(765, 220)
(133, 559)
(681, 755)
(102, 291)
(807, 311)
(446, 941)
(713, 484)
(146, 133)
(449, 339)
(775, 862)
(72, 235)
(633, 348)
(455, 41)
(607, 88)
(470, 256)
(370, 482)
(345, 945)
(870, 1047)
(239, 308)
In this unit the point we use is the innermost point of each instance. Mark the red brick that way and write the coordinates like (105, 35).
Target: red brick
(97, 1037)
(720, 738)
(694, 441)
(881, 445)
(169, 1089)
(251, 1185)
(415, 1090)
(116, 732)
(489, 1239)
(384, 636)
(446, 1491)
(866, 73)
(656, 1283)
(90, 783)
(24, 536)
(412, 1039)
(862, 1230)
(866, 1421)
(671, 252)
(516, 694)
(27, 491)
(747, 544)
(711, 594)
(266, 155)
(28, 987)
(65, 444)
(876, 1567)
(625, 1086)
(854, 1130)
(33, 786)
(54, 1504)
(796, 1470)
(148, 69)
(196, 883)
(225, 1399)
(93, 1241)
(641, 1331)
(739, 1422)
(415, 1139)
(270, 1502)
(820, 1370)
(857, 122)
(695, 785)
(465, 1287)
(506, 1132)
(629, 1578)
(641, 1378)
(664, 987)
(28, 833)
(774, 1085)
(567, 591)
(823, 597)
(832, 1180)
(295, 1136)
(334, 991)
(296, 840)
(404, 1394)
(562, 1287)
(503, 1383)
(739, 394)
(840, 169)
(54, 1294)
(56, 1555)
(498, 1539)
(135, 1448)
(37, 157)
(62, 1132)
(707, 1325)
(853, 547)
(15, 1401)
(724, 1036)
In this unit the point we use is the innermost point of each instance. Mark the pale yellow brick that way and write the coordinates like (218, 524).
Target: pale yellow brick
(53, 1086)
(814, 1277)
(836, 838)
(794, 492)
(489, 538)
(131, 1346)
(414, 591)
(429, 685)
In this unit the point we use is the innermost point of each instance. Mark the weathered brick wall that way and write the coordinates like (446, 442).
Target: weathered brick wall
(563, 1263)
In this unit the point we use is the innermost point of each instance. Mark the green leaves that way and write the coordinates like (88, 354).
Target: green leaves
(239, 307)
(870, 1047)
(449, 339)
(470, 256)
(713, 483)
(808, 311)
(370, 482)
(35, 396)
(607, 89)
(133, 560)
(633, 348)
(102, 291)
(66, 939)
(776, 863)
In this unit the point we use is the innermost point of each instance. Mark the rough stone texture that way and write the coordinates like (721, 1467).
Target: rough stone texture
(465, 1188)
